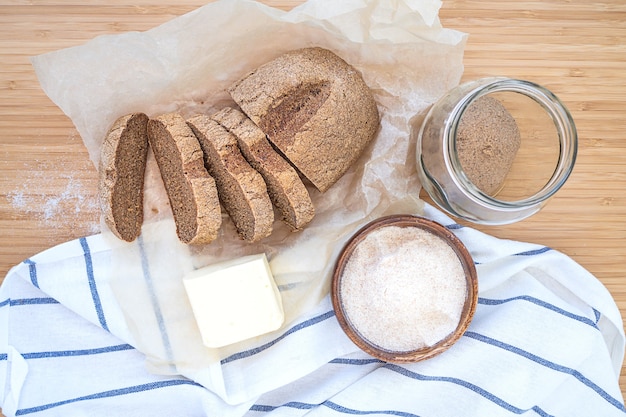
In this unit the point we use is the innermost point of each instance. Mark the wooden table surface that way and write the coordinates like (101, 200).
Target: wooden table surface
(576, 48)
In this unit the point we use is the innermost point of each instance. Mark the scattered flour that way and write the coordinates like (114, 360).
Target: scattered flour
(74, 208)
(17, 199)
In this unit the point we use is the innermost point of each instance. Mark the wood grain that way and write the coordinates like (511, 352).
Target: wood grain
(575, 48)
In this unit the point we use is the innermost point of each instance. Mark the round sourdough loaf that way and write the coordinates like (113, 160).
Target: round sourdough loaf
(121, 174)
(314, 107)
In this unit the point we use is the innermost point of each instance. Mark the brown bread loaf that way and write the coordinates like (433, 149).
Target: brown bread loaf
(314, 107)
(241, 188)
(285, 188)
(121, 175)
(190, 188)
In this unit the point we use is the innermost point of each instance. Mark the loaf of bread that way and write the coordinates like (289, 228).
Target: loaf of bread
(306, 116)
(121, 175)
(285, 188)
(240, 187)
(314, 107)
(191, 190)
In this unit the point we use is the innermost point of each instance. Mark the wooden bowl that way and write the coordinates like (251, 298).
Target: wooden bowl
(467, 311)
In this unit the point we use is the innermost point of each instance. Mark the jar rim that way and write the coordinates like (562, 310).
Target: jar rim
(557, 111)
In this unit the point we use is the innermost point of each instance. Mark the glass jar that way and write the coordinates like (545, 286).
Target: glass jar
(494, 150)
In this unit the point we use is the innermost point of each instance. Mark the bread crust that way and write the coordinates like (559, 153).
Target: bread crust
(314, 107)
(284, 186)
(191, 190)
(240, 187)
(121, 175)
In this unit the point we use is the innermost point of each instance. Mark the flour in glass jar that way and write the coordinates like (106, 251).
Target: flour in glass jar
(403, 288)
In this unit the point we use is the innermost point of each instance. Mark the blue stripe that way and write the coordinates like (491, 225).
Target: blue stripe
(293, 404)
(154, 300)
(332, 406)
(541, 303)
(407, 373)
(288, 286)
(345, 410)
(454, 226)
(107, 394)
(32, 301)
(4, 356)
(351, 411)
(597, 314)
(560, 368)
(474, 388)
(540, 412)
(533, 252)
(92, 284)
(32, 270)
(263, 408)
(300, 326)
(81, 352)
(27, 301)
(478, 390)
(348, 361)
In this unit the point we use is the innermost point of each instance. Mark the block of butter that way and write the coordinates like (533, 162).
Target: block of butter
(234, 300)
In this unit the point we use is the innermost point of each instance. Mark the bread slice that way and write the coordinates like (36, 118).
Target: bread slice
(191, 190)
(314, 107)
(241, 188)
(121, 175)
(285, 188)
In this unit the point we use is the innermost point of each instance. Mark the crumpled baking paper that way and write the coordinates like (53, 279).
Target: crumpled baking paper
(404, 54)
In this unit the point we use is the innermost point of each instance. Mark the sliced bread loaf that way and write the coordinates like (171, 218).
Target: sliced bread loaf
(191, 190)
(314, 107)
(121, 175)
(241, 188)
(285, 188)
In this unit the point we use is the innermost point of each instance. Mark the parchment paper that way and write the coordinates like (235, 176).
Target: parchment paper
(185, 65)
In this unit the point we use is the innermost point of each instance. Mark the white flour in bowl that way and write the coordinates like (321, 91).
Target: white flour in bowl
(403, 288)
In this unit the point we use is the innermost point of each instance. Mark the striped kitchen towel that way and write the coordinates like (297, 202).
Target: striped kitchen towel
(547, 340)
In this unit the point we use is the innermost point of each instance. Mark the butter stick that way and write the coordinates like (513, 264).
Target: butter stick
(234, 300)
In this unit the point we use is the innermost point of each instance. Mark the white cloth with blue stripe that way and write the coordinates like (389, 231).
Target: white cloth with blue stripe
(547, 340)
